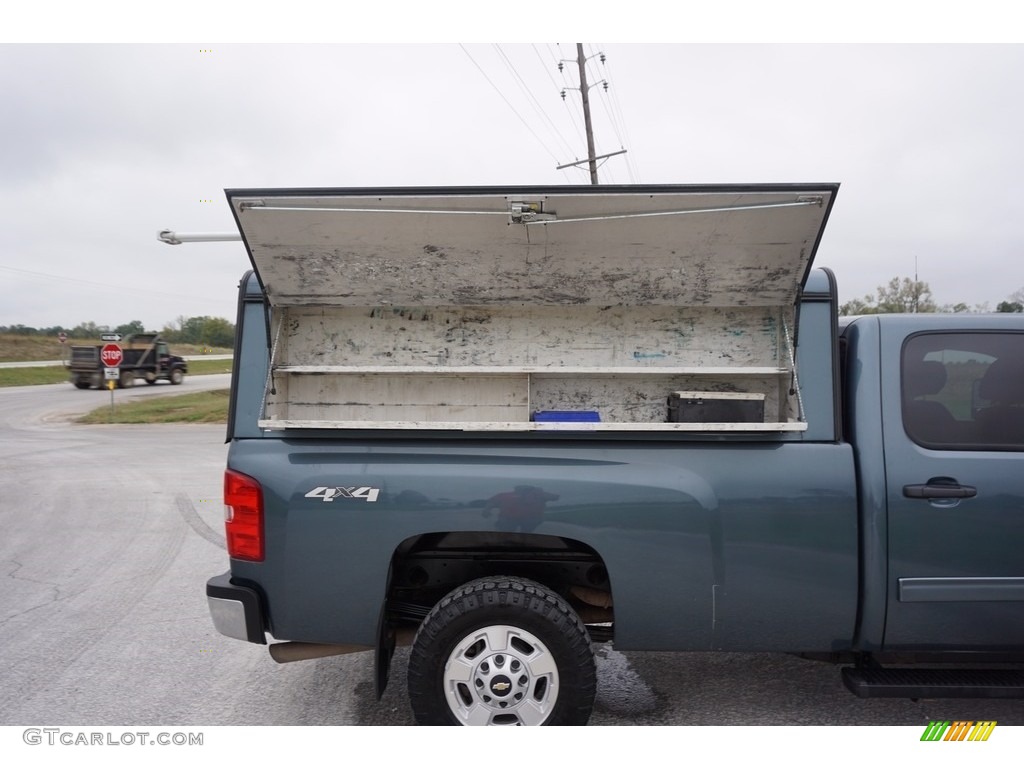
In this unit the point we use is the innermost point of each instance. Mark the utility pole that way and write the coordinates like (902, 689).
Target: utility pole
(584, 89)
(581, 60)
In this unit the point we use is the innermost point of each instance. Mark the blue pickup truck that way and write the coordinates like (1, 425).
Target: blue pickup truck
(504, 424)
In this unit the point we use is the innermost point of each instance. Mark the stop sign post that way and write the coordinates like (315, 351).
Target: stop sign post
(111, 355)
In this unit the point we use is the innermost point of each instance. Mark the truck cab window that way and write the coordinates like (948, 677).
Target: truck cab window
(964, 391)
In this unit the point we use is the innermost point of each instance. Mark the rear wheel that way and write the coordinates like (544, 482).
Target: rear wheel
(502, 651)
(127, 379)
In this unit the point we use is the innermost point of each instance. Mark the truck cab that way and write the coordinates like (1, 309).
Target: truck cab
(940, 447)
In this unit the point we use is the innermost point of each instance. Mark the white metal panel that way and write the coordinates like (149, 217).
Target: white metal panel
(461, 312)
(732, 247)
(403, 397)
(639, 338)
(399, 395)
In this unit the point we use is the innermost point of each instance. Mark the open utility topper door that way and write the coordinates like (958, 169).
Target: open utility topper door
(524, 309)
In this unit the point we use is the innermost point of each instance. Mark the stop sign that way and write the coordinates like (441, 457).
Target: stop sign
(111, 355)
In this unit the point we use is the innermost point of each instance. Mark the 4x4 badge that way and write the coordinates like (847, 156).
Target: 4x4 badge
(322, 492)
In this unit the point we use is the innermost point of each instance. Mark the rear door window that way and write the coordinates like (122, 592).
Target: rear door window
(964, 391)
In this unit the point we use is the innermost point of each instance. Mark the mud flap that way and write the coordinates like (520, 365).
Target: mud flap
(384, 652)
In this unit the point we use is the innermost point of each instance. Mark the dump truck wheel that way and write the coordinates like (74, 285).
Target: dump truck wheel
(177, 376)
(502, 651)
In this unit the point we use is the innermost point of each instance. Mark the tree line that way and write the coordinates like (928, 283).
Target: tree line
(205, 331)
(906, 295)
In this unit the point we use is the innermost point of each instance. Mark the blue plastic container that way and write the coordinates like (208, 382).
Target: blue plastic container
(590, 416)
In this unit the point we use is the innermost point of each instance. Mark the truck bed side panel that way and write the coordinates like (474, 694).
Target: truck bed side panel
(697, 558)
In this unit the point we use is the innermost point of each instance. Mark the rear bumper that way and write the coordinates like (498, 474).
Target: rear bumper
(236, 610)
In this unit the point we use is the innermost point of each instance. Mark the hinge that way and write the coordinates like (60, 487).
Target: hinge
(527, 212)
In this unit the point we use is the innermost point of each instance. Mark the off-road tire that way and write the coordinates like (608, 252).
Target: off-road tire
(502, 651)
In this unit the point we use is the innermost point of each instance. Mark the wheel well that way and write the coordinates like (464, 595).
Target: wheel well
(427, 567)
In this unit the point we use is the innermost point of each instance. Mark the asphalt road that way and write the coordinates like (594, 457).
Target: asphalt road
(110, 532)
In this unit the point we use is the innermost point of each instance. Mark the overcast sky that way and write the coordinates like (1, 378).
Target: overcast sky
(104, 145)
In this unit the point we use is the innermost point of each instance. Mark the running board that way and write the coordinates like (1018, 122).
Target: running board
(907, 683)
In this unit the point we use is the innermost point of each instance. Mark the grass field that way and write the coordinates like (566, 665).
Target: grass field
(54, 374)
(194, 408)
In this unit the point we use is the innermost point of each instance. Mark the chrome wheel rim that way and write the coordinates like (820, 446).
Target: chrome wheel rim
(501, 675)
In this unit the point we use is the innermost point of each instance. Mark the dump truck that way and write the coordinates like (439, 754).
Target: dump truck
(145, 356)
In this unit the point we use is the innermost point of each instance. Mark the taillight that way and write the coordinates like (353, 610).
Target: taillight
(243, 516)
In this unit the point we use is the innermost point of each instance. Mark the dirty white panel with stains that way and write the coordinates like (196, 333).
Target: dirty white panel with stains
(405, 398)
(533, 336)
(430, 365)
(473, 309)
(703, 247)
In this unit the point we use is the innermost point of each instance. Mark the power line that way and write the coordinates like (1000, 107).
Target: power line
(619, 121)
(603, 96)
(566, 84)
(537, 106)
(582, 63)
(514, 110)
(547, 68)
(605, 101)
(612, 107)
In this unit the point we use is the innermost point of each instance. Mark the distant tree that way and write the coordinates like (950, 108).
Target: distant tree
(217, 332)
(898, 295)
(905, 295)
(192, 330)
(135, 326)
(88, 330)
(204, 330)
(19, 330)
(170, 332)
(858, 307)
(1014, 302)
